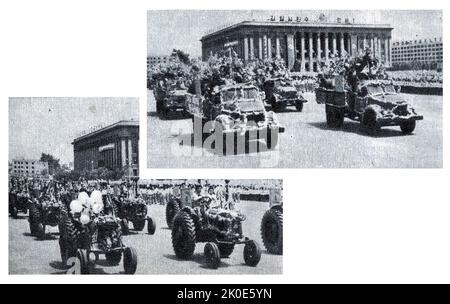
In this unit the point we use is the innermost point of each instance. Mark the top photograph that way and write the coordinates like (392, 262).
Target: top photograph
(294, 89)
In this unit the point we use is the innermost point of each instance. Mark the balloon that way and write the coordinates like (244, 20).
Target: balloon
(85, 219)
(97, 208)
(76, 206)
(83, 197)
(96, 197)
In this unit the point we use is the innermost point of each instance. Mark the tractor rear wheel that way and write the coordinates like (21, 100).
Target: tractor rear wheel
(272, 231)
(172, 209)
(183, 235)
(83, 258)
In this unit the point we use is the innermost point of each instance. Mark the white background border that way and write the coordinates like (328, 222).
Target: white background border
(338, 226)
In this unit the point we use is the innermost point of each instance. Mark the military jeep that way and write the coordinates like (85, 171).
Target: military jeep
(272, 224)
(375, 103)
(231, 112)
(170, 99)
(220, 228)
(44, 212)
(281, 93)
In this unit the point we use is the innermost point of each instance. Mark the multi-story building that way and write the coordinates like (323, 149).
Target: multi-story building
(302, 43)
(28, 167)
(425, 52)
(159, 60)
(113, 147)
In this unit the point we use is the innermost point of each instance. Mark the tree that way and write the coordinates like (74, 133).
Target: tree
(182, 56)
(53, 163)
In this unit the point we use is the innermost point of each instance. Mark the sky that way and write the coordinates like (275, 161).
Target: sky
(182, 29)
(49, 125)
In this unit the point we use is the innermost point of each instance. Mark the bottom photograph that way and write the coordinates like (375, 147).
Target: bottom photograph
(138, 226)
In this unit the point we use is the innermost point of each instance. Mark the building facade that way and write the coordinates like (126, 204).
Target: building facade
(28, 167)
(158, 60)
(422, 51)
(114, 147)
(304, 45)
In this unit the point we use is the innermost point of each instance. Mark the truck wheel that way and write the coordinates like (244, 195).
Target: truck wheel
(172, 209)
(124, 226)
(151, 226)
(335, 116)
(252, 253)
(139, 225)
(225, 249)
(113, 258)
(130, 260)
(183, 235)
(272, 231)
(408, 126)
(83, 258)
(369, 121)
(212, 255)
(299, 105)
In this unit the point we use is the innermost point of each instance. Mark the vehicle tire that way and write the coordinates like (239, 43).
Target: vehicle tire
(225, 249)
(139, 225)
(299, 105)
(124, 226)
(34, 219)
(67, 238)
(183, 235)
(113, 258)
(335, 116)
(408, 126)
(271, 139)
(272, 231)
(158, 107)
(130, 260)
(151, 226)
(276, 107)
(172, 209)
(83, 258)
(369, 121)
(252, 253)
(212, 255)
(14, 212)
(40, 231)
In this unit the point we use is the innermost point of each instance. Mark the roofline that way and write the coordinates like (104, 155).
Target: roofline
(121, 123)
(297, 24)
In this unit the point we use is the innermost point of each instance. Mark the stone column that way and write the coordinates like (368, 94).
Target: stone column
(354, 44)
(302, 51)
(378, 47)
(265, 47)
(311, 63)
(290, 51)
(319, 52)
(333, 35)
(341, 51)
(246, 49)
(364, 42)
(389, 52)
(252, 49)
(386, 52)
(269, 47)
(130, 153)
(277, 46)
(123, 151)
(326, 47)
(260, 47)
(349, 45)
(372, 44)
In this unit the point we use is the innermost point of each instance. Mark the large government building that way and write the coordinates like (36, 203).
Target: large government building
(423, 51)
(303, 44)
(112, 147)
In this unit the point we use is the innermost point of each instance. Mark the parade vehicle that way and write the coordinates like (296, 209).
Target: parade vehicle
(281, 93)
(232, 111)
(272, 224)
(44, 212)
(169, 99)
(90, 228)
(133, 210)
(220, 228)
(175, 203)
(18, 202)
(374, 103)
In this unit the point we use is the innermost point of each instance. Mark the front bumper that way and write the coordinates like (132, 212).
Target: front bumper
(397, 120)
(247, 131)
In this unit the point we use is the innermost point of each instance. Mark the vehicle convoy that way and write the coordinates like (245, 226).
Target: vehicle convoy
(272, 224)
(281, 93)
(169, 98)
(90, 226)
(233, 111)
(44, 211)
(220, 228)
(133, 210)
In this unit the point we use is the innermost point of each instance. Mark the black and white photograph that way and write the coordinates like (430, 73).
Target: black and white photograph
(294, 89)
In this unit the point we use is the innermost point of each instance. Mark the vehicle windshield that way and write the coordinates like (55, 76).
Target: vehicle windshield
(390, 89)
(239, 93)
(374, 90)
